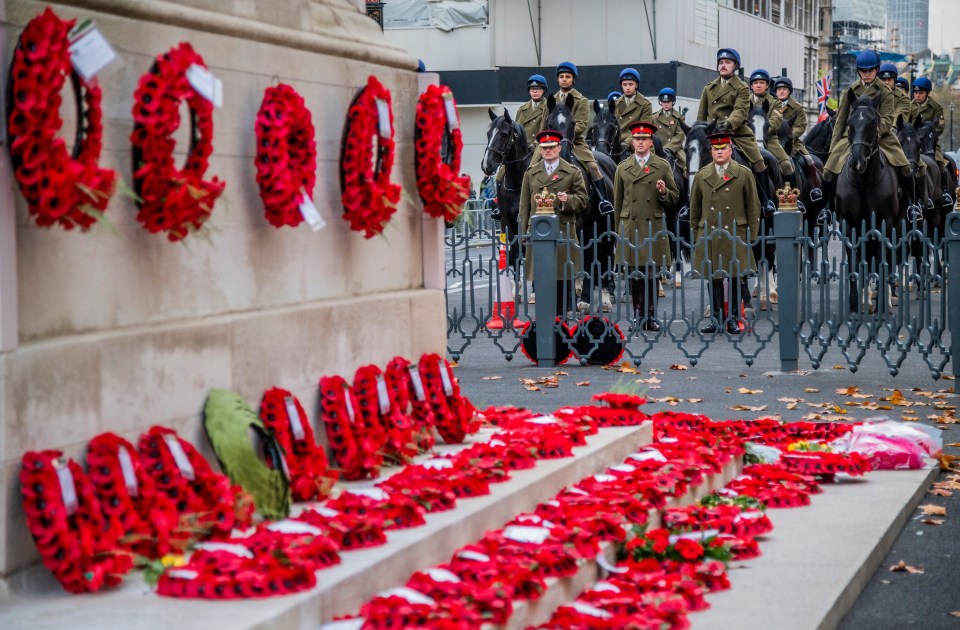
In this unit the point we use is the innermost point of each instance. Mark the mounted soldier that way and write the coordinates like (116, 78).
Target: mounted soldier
(760, 88)
(888, 74)
(793, 113)
(530, 114)
(631, 107)
(669, 124)
(929, 110)
(868, 65)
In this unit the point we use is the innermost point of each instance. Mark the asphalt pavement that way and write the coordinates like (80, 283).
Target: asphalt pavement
(721, 386)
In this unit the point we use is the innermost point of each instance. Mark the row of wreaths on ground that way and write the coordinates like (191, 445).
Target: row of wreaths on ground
(72, 190)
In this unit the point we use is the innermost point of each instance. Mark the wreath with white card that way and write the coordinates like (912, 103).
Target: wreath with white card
(61, 188)
(176, 201)
(439, 143)
(366, 161)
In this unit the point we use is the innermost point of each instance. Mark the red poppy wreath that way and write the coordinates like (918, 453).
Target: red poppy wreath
(442, 190)
(60, 188)
(286, 155)
(172, 200)
(369, 198)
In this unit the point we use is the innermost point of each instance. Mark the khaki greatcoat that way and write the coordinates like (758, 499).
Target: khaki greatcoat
(840, 145)
(731, 204)
(566, 178)
(671, 134)
(730, 101)
(932, 110)
(641, 211)
(530, 116)
(581, 117)
(629, 112)
(794, 110)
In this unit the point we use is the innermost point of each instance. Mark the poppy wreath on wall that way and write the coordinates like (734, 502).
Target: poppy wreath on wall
(286, 155)
(61, 188)
(75, 540)
(173, 200)
(439, 143)
(366, 161)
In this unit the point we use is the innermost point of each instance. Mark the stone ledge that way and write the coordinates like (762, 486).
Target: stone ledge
(36, 600)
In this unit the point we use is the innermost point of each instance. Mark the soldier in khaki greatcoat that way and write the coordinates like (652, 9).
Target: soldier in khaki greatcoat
(643, 188)
(631, 107)
(530, 114)
(565, 181)
(669, 124)
(888, 74)
(929, 109)
(792, 110)
(724, 197)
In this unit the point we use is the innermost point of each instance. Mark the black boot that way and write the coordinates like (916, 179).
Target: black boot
(947, 197)
(650, 283)
(716, 305)
(600, 188)
(909, 185)
(767, 206)
(829, 190)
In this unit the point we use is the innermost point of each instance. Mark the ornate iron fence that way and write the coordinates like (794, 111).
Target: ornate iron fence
(826, 280)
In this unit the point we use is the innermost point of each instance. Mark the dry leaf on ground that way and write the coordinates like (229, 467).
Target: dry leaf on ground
(562, 373)
(903, 566)
(953, 444)
(747, 408)
(677, 366)
(744, 390)
(934, 510)
(453, 364)
(932, 521)
(651, 380)
(940, 492)
(583, 384)
(495, 377)
(695, 400)
(848, 391)
(839, 367)
(531, 388)
(811, 390)
(956, 613)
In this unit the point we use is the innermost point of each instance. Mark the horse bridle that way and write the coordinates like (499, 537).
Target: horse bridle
(501, 155)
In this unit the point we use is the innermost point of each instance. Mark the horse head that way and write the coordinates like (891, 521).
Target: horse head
(759, 119)
(560, 118)
(863, 124)
(909, 141)
(697, 148)
(607, 129)
(928, 135)
(505, 138)
(785, 133)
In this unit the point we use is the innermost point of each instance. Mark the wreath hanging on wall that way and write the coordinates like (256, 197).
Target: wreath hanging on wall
(366, 161)
(70, 190)
(286, 155)
(439, 143)
(173, 200)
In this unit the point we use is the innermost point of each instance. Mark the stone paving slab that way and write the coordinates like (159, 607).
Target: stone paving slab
(818, 558)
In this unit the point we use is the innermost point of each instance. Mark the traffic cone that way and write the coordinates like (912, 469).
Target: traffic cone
(504, 309)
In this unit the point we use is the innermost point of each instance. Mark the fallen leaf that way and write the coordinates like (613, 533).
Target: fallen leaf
(885, 581)
(528, 381)
(934, 510)
(947, 461)
(652, 379)
(955, 613)
(953, 443)
(695, 400)
(531, 388)
(940, 492)
(677, 366)
(932, 521)
(744, 390)
(747, 408)
(903, 566)
(627, 368)
(453, 364)
(728, 390)
(562, 373)
(839, 409)
(812, 390)
(790, 400)
(848, 391)
(839, 367)
(583, 384)
(792, 406)
(909, 419)
(495, 377)
(656, 371)
(861, 396)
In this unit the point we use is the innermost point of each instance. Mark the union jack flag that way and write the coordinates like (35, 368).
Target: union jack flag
(823, 93)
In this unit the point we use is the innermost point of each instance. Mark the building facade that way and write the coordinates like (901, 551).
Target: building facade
(908, 25)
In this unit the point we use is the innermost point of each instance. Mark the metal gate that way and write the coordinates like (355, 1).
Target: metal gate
(865, 291)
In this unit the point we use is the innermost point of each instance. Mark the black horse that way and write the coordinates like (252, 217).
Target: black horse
(597, 230)
(507, 146)
(603, 136)
(817, 139)
(940, 192)
(867, 203)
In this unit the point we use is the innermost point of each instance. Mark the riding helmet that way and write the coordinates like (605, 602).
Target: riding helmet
(760, 75)
(867, 60)
(922, 83)
(566, 66)
(902, 82)
(421, 67)
(729, 53)
(887, 71)
(537, 80)
(628, 74)
(780, 82)
(612, 96)
(667, 94)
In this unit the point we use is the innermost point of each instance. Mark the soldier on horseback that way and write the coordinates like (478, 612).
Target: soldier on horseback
(669, 125)
(929, 110)
(631, 107)
(868, 65)
(566, 77)
(760, 86)
(530, 114)
(888, 74)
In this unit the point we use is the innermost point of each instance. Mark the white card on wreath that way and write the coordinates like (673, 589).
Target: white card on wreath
(89, 51)
(68, 488)
(206, 84)
(383, 119)
(310, 213)
(450, 108)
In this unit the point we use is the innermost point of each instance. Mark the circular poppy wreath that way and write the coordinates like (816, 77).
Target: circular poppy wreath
(438, 148)
(369, 198)
(286, 154)
(70, 190)
(172, 200)
(75, 540)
